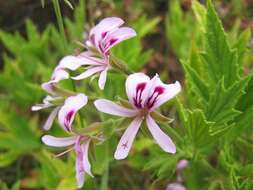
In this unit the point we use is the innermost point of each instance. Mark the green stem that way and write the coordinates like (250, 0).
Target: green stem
(58, 14)
(105, 177)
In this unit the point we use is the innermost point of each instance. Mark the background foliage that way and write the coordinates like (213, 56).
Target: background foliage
(181, 40)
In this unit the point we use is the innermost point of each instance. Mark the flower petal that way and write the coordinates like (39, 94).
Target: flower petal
(89, 72)
(79, 175)
(86, 163)
(127, 139)
(38, 107)
(107, 24)
(58, 142)
(67, 112)
(169, 91)
(110, 107)
(79, 163)
(133, 82)
(163, 140)
(102, 79)
(50, 119)
(118, 36)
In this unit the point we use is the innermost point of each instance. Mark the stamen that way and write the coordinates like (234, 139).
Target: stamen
(62, 153)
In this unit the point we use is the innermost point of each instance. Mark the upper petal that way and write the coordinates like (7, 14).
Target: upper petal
(57, 141)
(110, 107)
(163, 140)
(159, 92)
(127, 139)
(118, 36)
(67, 112)
(106, 25)
(136, 89)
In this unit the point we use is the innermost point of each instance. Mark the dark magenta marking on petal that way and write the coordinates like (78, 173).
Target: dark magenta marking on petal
(124, 145)
(112, 41)
(153, 98)
(139, 90)
(103, 34)
(68, 119)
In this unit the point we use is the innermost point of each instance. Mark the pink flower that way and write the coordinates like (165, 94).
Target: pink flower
(108, 33)
(66, 112)
(145, 95)
(182, 164)
(102, 37)
(81, 146)
(175, 186)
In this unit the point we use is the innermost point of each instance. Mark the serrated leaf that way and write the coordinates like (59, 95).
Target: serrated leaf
(200, 14)
(242, 44)
(222, 105)
(221, 61)
(198, 128)
(198, 85)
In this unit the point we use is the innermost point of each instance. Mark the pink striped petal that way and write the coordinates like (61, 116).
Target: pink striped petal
(127, 139)
(58, 142)
(110, 107)
(48, 124)
(137, 89)
(170, 91)
(102, 79)
(89, 72)
(160, 137)
(118, 36)
(67, 112)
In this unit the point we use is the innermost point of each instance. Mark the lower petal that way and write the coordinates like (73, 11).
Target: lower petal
(163, 140)
(102, 79)
(86, 163)
(58, 142)
(79, 175)
(89, 72)
(50, 119)
(127, 139)
(110, 107)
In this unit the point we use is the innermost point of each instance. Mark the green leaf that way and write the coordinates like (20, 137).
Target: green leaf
(221, 108)
(242, 44)
(200, 14)
(198, 128)
(198, 86)
(221, 61)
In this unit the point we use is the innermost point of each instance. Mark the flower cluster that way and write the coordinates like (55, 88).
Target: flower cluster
(145, 95)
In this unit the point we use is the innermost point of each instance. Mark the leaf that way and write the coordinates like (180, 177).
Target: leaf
(221, 61)
(242, 44)
(199, 87)
(198, 128)
(200, 14)
(221, 108)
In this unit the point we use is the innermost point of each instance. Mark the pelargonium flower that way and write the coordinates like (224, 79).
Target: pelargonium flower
(81, 146)
(66, 111)
(145, 95)
(102, 37)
